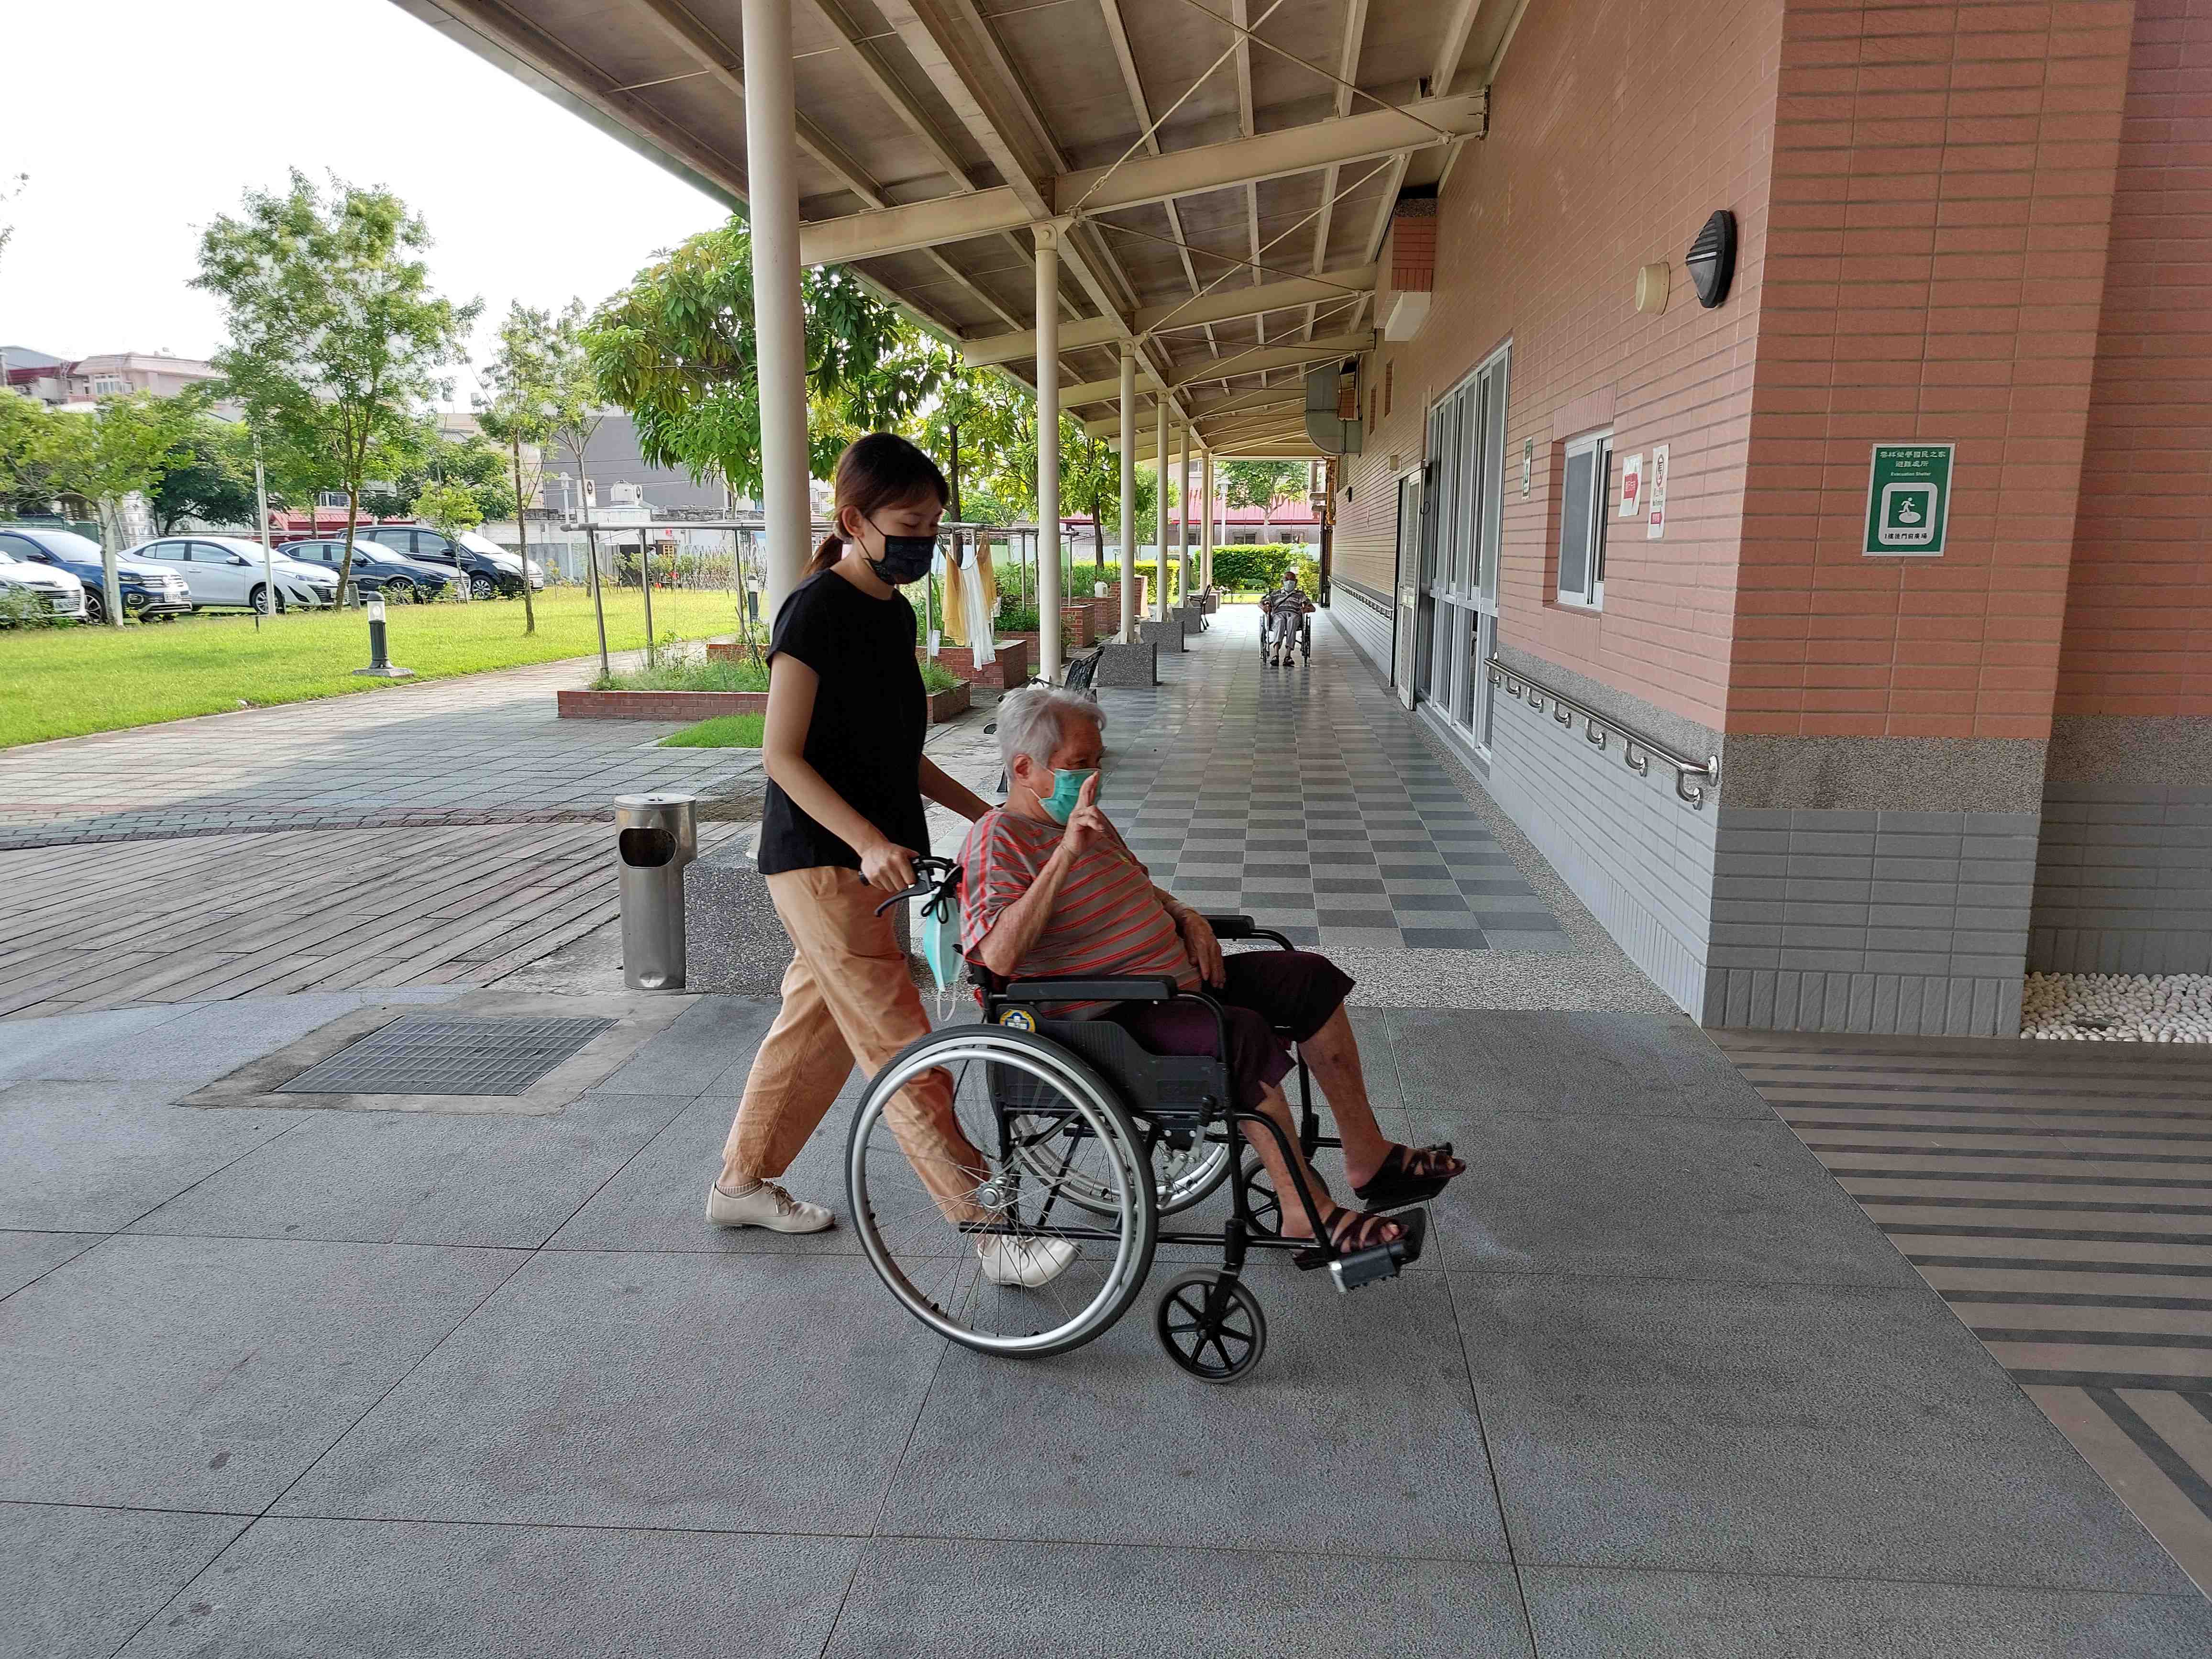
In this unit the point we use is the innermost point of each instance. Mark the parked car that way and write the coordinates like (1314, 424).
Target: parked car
(492, 571)
(228, 571)
(376, 568)
(56, 592)
(150, 590)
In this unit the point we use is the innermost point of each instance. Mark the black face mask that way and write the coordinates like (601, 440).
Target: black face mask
(905, 558)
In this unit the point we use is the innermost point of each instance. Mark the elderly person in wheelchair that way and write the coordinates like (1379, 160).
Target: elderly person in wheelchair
(1051, 890)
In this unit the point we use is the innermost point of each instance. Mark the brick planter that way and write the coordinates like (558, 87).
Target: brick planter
(949, 703)
(657, 705)
(1010, 668)
(728, 648)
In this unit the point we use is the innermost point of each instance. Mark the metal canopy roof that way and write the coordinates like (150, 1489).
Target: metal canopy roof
(1229, 166)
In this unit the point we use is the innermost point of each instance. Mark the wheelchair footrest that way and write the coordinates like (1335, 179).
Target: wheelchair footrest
(1384, 1260)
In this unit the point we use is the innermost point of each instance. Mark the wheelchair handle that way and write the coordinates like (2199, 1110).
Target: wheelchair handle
(931, 875)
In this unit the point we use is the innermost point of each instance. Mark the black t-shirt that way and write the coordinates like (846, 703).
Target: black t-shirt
(870, 716)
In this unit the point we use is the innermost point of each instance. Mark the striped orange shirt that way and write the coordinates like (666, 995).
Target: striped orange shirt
(1107, 918)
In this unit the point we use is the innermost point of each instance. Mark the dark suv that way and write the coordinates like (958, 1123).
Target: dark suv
(148, 589)
(491, 572)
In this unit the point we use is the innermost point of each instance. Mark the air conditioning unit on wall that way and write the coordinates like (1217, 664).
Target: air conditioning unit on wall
(1332, 433)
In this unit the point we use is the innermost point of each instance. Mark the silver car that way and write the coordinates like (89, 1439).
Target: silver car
(230, 571)
(58, 593)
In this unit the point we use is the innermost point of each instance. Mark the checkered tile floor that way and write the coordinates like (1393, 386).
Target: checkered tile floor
(1304, 797)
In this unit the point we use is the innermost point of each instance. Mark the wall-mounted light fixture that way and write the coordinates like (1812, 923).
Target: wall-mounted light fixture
(1651, 289)
(1712, 258)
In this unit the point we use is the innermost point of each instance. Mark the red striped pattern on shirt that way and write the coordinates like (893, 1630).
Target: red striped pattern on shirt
(1106, 919)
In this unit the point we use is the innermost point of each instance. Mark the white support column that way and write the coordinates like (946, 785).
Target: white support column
(1206, 518)
(1128, 492)
(1160, 588)
(779, 319)
(1048, 472)
(1182, 505)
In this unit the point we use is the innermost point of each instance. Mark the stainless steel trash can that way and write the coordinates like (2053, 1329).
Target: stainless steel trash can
(655, 837)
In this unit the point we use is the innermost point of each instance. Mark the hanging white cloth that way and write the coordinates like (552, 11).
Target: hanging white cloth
(978, 610)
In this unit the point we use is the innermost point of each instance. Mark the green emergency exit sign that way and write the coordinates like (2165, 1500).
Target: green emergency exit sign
(1908, 498)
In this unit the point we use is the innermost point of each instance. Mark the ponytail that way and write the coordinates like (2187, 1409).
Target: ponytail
(881, 470)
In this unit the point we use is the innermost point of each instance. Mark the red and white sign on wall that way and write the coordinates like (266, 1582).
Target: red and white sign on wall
(1632, 485)
(1655, 490)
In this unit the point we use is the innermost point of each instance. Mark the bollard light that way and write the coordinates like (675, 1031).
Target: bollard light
(380, 665)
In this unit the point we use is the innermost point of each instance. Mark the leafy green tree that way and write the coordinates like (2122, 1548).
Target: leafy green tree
(450, 507)
(335, 335)
(519, 413)
(676, 349)
(121, 448)
(212, 482)
(26, 470)
(1261, 484)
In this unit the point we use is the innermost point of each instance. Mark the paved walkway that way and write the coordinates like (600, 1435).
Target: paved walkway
(354, 1381)
(2057, 1198)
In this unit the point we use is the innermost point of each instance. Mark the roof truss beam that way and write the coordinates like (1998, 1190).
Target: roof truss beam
(1142, 180)
(1221, 306)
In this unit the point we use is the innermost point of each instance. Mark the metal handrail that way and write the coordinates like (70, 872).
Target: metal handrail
(1596, 726)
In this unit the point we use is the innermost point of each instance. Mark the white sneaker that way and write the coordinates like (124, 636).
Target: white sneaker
(1028, 1262)
(765, 1205)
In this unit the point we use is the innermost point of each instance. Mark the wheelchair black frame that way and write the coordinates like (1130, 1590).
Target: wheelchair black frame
(1241, 1232)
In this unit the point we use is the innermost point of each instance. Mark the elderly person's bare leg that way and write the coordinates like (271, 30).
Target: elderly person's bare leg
(1349, 1230)
(1333, 1053)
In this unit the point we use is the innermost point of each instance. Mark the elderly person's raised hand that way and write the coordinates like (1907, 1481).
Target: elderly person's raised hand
(1086, 825)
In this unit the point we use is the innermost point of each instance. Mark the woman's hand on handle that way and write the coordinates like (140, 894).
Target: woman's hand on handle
(886, 865)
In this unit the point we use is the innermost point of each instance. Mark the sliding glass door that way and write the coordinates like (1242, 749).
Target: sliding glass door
(1463, 505)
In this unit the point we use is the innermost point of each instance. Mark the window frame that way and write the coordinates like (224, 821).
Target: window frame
(1590, 596)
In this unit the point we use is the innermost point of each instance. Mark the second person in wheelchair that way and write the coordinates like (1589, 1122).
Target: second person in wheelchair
(1052, 891)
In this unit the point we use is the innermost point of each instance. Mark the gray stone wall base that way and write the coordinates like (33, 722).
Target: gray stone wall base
(1168, 634)
(733, 941)
(2123, 877)
(1122, 666)
(1905, 1004)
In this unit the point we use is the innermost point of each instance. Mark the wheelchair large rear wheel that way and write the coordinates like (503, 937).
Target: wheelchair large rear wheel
(1039, 1125)
(1181, 1175)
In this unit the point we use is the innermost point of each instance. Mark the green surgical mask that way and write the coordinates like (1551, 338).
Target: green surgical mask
(1066, 790)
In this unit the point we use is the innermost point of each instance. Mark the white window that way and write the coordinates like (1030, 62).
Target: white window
(1584, 489)
(331, 498)
(108, 386)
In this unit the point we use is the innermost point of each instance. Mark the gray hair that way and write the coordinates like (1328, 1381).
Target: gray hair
(1029, 720)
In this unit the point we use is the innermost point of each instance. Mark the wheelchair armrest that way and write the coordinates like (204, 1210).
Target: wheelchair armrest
(1128, 987)
(1234, 927)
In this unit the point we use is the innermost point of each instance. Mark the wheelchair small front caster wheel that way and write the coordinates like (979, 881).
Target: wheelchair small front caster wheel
(1211, 1325)
(1260, 1198)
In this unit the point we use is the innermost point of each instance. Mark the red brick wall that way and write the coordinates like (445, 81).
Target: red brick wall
(2139, 598)
(1616, 126)
(1935, 267)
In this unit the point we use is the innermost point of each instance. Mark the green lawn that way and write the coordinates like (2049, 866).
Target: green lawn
(63, 681)
(721, 732)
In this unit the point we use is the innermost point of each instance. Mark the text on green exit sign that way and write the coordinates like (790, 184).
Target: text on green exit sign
(1908, 498)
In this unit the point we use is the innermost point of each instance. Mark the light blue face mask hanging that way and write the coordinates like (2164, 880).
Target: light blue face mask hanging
(938, 928)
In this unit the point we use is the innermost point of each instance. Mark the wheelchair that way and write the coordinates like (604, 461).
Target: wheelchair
(1088, 1137)
(1274, 629)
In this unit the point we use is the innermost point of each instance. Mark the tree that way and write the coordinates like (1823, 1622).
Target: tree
(9, 190)
(519, 412)
(335, 335)
(981, 411)
(120, 448)
(676, 350)
(212, 480)
(26, 469)
(450, 508)
(1261, 484)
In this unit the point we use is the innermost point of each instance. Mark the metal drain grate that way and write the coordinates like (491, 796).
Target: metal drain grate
(427, 1054)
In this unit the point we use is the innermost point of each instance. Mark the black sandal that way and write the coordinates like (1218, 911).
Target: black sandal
(1350, 1230)
(1397, 1183)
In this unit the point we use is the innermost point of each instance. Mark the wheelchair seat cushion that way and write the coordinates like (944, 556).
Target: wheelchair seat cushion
(1272, 999)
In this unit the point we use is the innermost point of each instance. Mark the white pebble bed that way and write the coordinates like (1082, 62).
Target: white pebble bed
(2118, 1008)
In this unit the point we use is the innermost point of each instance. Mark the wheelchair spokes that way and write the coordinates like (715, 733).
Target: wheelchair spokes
(940, 1222)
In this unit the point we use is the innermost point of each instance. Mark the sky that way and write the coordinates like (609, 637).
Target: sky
(138, 123)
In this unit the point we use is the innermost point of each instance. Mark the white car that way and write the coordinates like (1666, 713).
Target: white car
(229, 571)
(58, 592)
